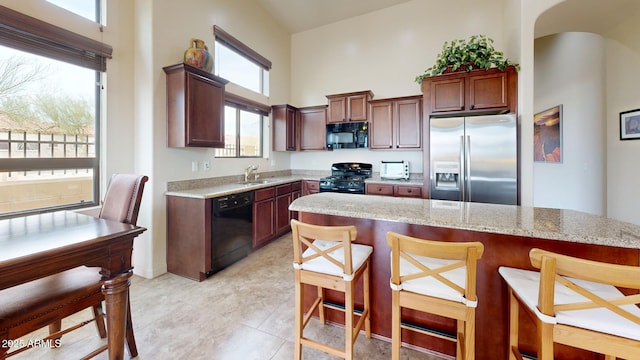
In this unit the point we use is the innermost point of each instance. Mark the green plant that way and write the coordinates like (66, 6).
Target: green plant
(475, 53)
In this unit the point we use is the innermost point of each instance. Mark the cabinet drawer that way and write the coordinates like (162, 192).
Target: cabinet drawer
(379, 189)
(283, 189)
(296, 186)
(266, 193)
(312, 185)
(408, 191)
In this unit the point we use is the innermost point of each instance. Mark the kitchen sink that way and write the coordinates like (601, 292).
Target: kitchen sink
(259, 182)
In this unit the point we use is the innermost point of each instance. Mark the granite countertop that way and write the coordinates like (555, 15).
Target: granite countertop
(208, 190)
(554, 224)
(414, 181)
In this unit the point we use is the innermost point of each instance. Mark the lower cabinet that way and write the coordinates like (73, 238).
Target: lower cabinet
(264, 219)
(310, 187)
(271, 215)
(414, 191)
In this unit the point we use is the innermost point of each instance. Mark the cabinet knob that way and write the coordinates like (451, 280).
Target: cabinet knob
(462, 107)
(473, 107)
(409, 190)
(390, 146)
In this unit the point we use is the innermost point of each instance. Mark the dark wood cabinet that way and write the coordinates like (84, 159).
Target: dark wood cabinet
(349, 107)
(284, 128)
(396, 123)
(195, 107)
(264, 216)
(296, 192)
(310, 187)
(283, 215)
(396, 190)
(189, 237)
(313, 122)
(478, 91)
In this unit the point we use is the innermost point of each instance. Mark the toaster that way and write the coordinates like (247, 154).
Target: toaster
(394, 170)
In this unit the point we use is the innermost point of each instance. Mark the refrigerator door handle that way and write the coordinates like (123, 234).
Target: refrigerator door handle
(467, 170)
(462, 173)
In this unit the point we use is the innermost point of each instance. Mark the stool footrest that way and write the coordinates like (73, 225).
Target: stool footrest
(340, 307)
(428, 331)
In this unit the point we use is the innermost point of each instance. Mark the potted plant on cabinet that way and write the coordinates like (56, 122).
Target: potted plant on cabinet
(459, 55)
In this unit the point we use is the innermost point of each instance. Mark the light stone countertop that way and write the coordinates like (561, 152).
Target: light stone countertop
(222, 189)
(553, 224)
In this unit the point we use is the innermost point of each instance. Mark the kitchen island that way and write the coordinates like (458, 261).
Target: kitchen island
(508, 232)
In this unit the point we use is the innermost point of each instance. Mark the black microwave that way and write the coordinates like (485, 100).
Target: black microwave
(348, 135)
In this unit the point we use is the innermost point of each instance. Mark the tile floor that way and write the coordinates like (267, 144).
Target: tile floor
(243, 312)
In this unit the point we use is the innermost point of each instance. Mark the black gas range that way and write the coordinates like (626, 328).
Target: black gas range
(346, 178)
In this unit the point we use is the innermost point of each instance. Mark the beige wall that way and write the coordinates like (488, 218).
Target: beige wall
(570, 71)
(622, 53)
(382, 51)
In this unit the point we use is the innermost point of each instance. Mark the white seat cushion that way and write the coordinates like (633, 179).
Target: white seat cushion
(359, 254)
(430, 286)
(525, 284)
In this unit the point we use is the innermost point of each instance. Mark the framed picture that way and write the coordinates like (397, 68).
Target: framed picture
(630, 125)
(547, 135)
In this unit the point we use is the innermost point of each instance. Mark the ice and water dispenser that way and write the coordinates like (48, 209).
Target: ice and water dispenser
(447, 174)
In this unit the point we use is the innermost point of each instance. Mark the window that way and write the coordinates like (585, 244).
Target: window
(242, 133)
(85, 8)
(49, 116)
(239, 64)
(244, 118)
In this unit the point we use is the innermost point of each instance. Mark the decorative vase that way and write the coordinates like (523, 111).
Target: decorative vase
(198, 55)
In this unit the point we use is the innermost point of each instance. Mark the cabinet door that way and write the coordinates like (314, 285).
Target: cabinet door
(408, 124)
(195, 107)
(379, 189)
(313, 128)
(357, 107)
(488, 91)
(263, 221)
(447, 95)
(205, 112)
(381, 129)
(283, 215)
(284, 129)
(337, 109)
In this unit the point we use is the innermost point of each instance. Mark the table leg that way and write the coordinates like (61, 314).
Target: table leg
(116, 291)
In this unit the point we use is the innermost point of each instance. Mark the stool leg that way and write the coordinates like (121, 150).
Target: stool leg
(299, 317)
(348, 321)
(367, 301)
(396, 339)
(321, 305)
(513, 325)
(469, 349)
(545, 341)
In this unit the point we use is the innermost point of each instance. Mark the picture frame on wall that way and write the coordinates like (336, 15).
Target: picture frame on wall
(547, 135)
(630, 125)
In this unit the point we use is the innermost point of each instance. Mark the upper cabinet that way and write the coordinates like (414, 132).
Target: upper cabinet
(478, 91)
(195, 107)
(285, 128)
(313, 122)
(396, 123)
(348, 107)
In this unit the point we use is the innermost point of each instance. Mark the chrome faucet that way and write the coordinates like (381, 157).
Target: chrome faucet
(251, 169)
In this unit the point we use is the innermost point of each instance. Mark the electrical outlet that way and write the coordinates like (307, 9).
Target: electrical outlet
(194, 166)
(206, 166)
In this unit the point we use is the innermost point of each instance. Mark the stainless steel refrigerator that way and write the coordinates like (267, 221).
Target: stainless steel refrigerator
(474, 159)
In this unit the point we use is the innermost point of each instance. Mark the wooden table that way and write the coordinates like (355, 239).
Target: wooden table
(36, 246)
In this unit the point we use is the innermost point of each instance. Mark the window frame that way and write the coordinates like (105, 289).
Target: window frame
(241, 103)
(28, 34)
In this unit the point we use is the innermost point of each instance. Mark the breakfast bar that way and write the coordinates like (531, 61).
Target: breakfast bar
(508, 232)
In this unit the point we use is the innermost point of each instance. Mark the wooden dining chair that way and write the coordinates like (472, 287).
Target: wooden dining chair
(28, 307)
(434, 277)
(575, 302)
(327, 258)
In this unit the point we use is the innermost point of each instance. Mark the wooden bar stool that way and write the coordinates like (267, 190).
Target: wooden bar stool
(576, 302)
(434, 277)
(330, 261)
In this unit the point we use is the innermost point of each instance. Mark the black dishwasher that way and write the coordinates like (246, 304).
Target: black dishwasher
(231, 230)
